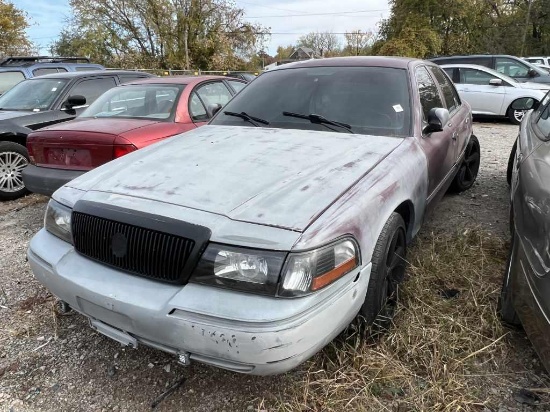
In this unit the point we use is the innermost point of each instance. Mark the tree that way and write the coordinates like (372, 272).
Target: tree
(284, 52)
(325, 44)
(13, 23)
(205, 34)
(357, 42)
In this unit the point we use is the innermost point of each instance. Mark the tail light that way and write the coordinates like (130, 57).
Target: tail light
(31, 153)
(120, 150)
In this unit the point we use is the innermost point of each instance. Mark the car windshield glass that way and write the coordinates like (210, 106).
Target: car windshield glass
(371, 100)
(35, 95)
(150, 101)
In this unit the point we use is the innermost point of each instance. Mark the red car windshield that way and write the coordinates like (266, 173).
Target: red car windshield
(144, 101)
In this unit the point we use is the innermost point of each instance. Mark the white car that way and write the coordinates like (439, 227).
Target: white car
(491, 93)
(538, 60)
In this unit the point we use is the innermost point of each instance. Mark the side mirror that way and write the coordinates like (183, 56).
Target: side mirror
(495, 82)
(437, 119)
(212, 109)
(526, 103)
(75, 100)
(532, 73)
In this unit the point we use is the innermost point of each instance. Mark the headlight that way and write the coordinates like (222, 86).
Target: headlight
(58, 221)
(244, 269)
(259, 271)
(308, 272)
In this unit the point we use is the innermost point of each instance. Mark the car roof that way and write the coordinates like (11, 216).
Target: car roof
(70, 75)
(175, 80)
(356, 61)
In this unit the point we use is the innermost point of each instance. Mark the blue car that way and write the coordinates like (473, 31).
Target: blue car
(16, 69)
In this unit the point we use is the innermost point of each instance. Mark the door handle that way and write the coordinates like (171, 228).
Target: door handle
(455, 136)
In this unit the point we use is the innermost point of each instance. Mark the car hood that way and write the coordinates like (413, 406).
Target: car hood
(275, 177)
(102, 125)
(534, 86)
(12, 114)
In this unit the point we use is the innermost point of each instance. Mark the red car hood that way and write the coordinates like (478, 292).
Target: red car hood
(103, 125)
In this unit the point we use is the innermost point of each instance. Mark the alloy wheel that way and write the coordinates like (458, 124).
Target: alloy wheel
(11, 166)
(470, 165)
(518, 115)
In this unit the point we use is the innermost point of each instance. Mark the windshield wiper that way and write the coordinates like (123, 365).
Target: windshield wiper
(318, 119)
(248, 118)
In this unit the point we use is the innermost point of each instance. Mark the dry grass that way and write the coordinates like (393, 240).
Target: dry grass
(441, 354)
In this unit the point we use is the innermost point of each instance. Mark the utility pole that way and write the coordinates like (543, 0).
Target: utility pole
(530, 3)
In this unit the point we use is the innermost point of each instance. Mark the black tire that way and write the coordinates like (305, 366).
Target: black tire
(8, 170)
(505, 307)
(388, 270)
(511, 161)
(515, 116)
(469, 168)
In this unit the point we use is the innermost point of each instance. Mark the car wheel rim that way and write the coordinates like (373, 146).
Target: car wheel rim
(470, 165)
(395, 272)
(518, 115)
(11, 166)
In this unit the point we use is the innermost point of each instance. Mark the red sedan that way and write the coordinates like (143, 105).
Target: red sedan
(124, 119)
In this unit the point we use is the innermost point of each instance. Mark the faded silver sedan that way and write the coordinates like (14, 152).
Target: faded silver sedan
(250, 243)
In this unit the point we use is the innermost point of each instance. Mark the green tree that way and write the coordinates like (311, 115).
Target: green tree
(13, 23)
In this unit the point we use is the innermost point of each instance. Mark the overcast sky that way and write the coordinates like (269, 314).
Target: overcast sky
(300, 17)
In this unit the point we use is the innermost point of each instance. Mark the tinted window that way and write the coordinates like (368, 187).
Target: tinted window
(86, 68)
(429, 94)
(93, 88)
(511, 67)
(237, 86)
(372, 100)
(9, 79)
(147, 101)
(449, 93)
(214, 93)
(36, 94)
(197, 109)
(450, 72)
(43, 71)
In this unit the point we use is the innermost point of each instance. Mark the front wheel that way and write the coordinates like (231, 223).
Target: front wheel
(388, 270)
(469, 168)
(13, 159)
(516, 116)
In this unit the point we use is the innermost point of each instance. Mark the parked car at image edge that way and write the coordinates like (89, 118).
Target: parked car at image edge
(45, 101)
(511, 66)
(256, 239)
(525, 292)
(538, 60)
(123, 119)
(14, 69)
(490, 93)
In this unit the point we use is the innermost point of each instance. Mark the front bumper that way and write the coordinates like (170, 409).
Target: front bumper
(241, 332)
(45, 181)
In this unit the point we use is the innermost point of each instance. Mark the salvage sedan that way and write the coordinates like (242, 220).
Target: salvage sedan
(254, 241)
(526, 285)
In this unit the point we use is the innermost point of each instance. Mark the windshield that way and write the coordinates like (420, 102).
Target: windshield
(35, 95)
(147, 101)
(370, 100)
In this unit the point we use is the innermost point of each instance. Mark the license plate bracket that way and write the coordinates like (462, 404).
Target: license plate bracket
(120, 336)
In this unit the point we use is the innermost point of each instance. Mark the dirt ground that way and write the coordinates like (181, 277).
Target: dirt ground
(52, 362)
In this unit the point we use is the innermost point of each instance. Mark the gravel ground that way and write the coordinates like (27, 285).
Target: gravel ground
(55, 362)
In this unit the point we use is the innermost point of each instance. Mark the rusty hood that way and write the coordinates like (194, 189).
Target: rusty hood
(275, 177)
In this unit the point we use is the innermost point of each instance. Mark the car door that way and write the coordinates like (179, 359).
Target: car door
(459, 114)
(204, 97)
(438, 146)
(483, 97)
(531, 204)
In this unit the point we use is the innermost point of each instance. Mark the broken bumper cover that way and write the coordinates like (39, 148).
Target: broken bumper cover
(241, 332)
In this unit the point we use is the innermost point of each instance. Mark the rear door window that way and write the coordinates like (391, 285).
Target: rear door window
(429, 93)
(10, 79)
(214, 93)
(91, 89)
(237, 86)
(44, 70)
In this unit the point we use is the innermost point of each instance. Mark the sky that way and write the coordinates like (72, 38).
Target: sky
(288, 19)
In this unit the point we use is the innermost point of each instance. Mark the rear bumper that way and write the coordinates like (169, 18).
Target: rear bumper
(45, 181)
(241, 332)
